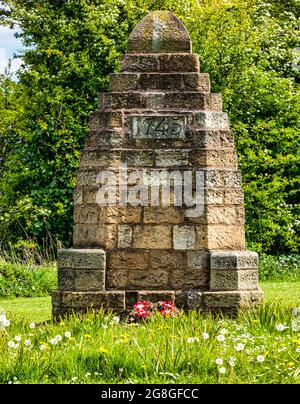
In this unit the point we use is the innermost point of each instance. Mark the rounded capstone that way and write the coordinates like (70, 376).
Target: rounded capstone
(159, 32)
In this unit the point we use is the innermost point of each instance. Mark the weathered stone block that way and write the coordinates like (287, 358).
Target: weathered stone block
(86, 215)
(234, 197)
(124, 236)
(149, 279)
(231, 299)
(225, 237)
(172, 158)
(198, 260)
(86, 177)
(232, 178)
(158, 127)
(212, 120)
(105, 139)
(123, 82)
(100, 120)
(81, 259)
(139, 63)
(156, 296)
(66, 279)
(160, 259)
(122, 214)
(138, 158)
(159, 32)
(178, 62)
(133, 100)
(128, 260)
(213, 196)
(168, 215)
(116, 279)
(233, 260)
(107, 236)
(86, 280)
(221, 279)
(152, 237)
(202, 138)
(184, 237)
(189, 279)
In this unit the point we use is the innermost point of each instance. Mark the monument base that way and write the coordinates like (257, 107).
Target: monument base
(82, 275)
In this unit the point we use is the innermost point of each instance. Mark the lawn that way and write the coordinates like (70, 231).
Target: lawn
(260, 346)
(39, 309)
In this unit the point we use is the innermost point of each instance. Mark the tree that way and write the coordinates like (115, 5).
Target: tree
(72, 46)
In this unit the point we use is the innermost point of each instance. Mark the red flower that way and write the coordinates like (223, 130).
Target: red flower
(168, 305)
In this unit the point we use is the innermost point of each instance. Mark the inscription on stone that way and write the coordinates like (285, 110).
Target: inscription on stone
(158, 127)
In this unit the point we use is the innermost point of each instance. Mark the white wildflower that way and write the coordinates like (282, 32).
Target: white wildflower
(68, 334)
(222, 371)
(17, 338)
(190, 340)
(11, 344)
(239, 347)
(219, 361)
(223, 331)
(116, 320)
(220, 338)
(260, 358)
(27, 342)
(43, 347)
(32, 325)
(205, 336)
(281, 327)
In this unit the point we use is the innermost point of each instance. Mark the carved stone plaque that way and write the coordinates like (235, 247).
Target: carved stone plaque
(158, 127)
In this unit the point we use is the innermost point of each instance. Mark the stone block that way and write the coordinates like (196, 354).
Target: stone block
(213, 196)
(152, 237)
(234, 197)
(156, 296)
(159, 32)
(178, 62)
(190, 100)
(202, 138)
(100, 120)
(139, 63)
(86, 280)
(105, 139)
(85, 235)
(116, 279)
(168, 215)
(86, 177)
(149, 279)
(86, 214)
(124, 236)
(119, 82)
(189, 279)
(129, 100)
(160, 259)
(212, 120)
(229, 260)
(127, 260)
(66, 279)
(225, 237)
(230, 300)
(122, 214)
(232, 178)
(184, 237)
(81, 259)
(221, 279)
(226, 138)
(198, 260)
(107, 236)
(172, 158)
(138, 158)
(194, 299)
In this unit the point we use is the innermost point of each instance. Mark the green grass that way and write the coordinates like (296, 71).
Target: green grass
(39, 309)
(35, 309)
(159, 350)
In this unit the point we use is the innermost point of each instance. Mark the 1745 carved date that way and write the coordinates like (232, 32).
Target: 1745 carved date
(159, 127)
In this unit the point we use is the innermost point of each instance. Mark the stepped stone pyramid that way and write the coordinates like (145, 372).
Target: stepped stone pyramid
(159, 116)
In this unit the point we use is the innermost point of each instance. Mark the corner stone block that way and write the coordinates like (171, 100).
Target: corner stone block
(233, 260)
(230, 300)
(212, 120)
(221, 279)
(82, 259)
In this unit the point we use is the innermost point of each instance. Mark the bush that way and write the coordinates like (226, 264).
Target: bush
(21, 280)
(279, 268)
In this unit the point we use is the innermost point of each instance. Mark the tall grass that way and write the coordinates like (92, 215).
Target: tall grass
(251, 347)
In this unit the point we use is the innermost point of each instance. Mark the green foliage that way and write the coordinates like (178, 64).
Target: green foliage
(279, 268)
(98, 349)
(25, 280)
(247, 48)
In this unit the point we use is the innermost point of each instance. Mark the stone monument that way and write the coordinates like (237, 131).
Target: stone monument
(158, 126)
